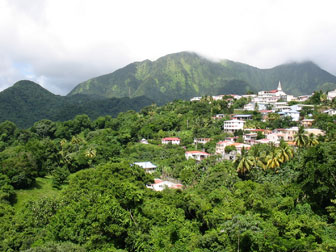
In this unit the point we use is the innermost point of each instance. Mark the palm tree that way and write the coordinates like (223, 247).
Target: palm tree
(273, 159)
(257, 156)
(243, 162)
(76, 140)
(301, 138)
(323, 97)
(312, 141)
(285, 152)
(91, 153)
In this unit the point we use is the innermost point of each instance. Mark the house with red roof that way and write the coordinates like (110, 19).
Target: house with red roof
(171, 140)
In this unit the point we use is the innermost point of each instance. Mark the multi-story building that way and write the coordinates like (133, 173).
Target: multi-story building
(233, 125)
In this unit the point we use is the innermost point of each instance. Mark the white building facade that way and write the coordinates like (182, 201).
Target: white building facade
(233, 125)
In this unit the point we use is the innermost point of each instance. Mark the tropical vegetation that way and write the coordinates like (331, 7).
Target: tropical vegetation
(71, 186)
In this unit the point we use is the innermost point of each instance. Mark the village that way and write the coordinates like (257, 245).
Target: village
(239, 136)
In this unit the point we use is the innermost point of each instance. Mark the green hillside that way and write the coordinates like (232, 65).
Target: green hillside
(184, 75)
(27, 102)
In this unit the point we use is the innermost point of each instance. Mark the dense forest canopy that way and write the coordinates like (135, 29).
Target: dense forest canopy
(27, 102)
(71, 186)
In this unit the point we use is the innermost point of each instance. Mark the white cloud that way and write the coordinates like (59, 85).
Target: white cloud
(66, 42)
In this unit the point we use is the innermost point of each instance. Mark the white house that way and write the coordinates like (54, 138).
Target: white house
(250, 106)
(196, 99)
(295, 115)
(303, 98)
(219, 116)
(289, 133)
(233, 125)
(198, 155)
(263, 141)
(275, 137)
(201, 140)
(144, 141)
(172, 140)
(160, 185)
(242, 117)
(240, 146)
(147, 166)
(315, 132)
(330, 112)
(331, 94)
(220, 146)
(307, 122)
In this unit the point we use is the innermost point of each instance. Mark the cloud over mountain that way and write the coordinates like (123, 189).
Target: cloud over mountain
(62, 43)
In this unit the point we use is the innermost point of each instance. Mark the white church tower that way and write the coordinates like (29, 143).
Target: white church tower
(280, 92)
(279, 87)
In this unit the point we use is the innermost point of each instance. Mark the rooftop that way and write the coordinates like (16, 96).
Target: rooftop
(197, 152)
(171, 139)
(145, 165)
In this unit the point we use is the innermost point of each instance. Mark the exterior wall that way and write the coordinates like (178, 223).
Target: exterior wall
(150, 170)
(233, 125)
(290, 133)
(331, 94)
(307, 123)
(202, 140)
(147, 166)
(199, 156)
(295, 115)
(160, 185)
(330, 112)
(275, 137)
(165, 141)
(242, 117)
(220, 146)
(315, 132)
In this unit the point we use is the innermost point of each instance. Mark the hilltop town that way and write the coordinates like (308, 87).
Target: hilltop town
(250, 125)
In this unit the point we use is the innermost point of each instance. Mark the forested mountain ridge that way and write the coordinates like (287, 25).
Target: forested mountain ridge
(27, 102)
(184, 75)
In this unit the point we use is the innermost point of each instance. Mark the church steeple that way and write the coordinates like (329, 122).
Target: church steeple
(279, 87)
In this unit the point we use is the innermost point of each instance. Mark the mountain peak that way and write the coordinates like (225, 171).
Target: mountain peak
(187, 74)
(25, 83)
(27, 89)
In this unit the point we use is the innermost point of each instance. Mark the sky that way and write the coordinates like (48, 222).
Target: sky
(61, 43)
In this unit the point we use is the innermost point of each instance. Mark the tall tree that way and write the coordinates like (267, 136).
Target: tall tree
(258, 155)
(311, 140)
(243, 162)
(301, 138)
(285, 152)
(273, 159)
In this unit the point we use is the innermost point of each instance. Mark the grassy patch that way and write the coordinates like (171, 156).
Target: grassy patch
(43, 188)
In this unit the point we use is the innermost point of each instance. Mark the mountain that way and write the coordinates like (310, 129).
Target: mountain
(27, 102)
(184, 75)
